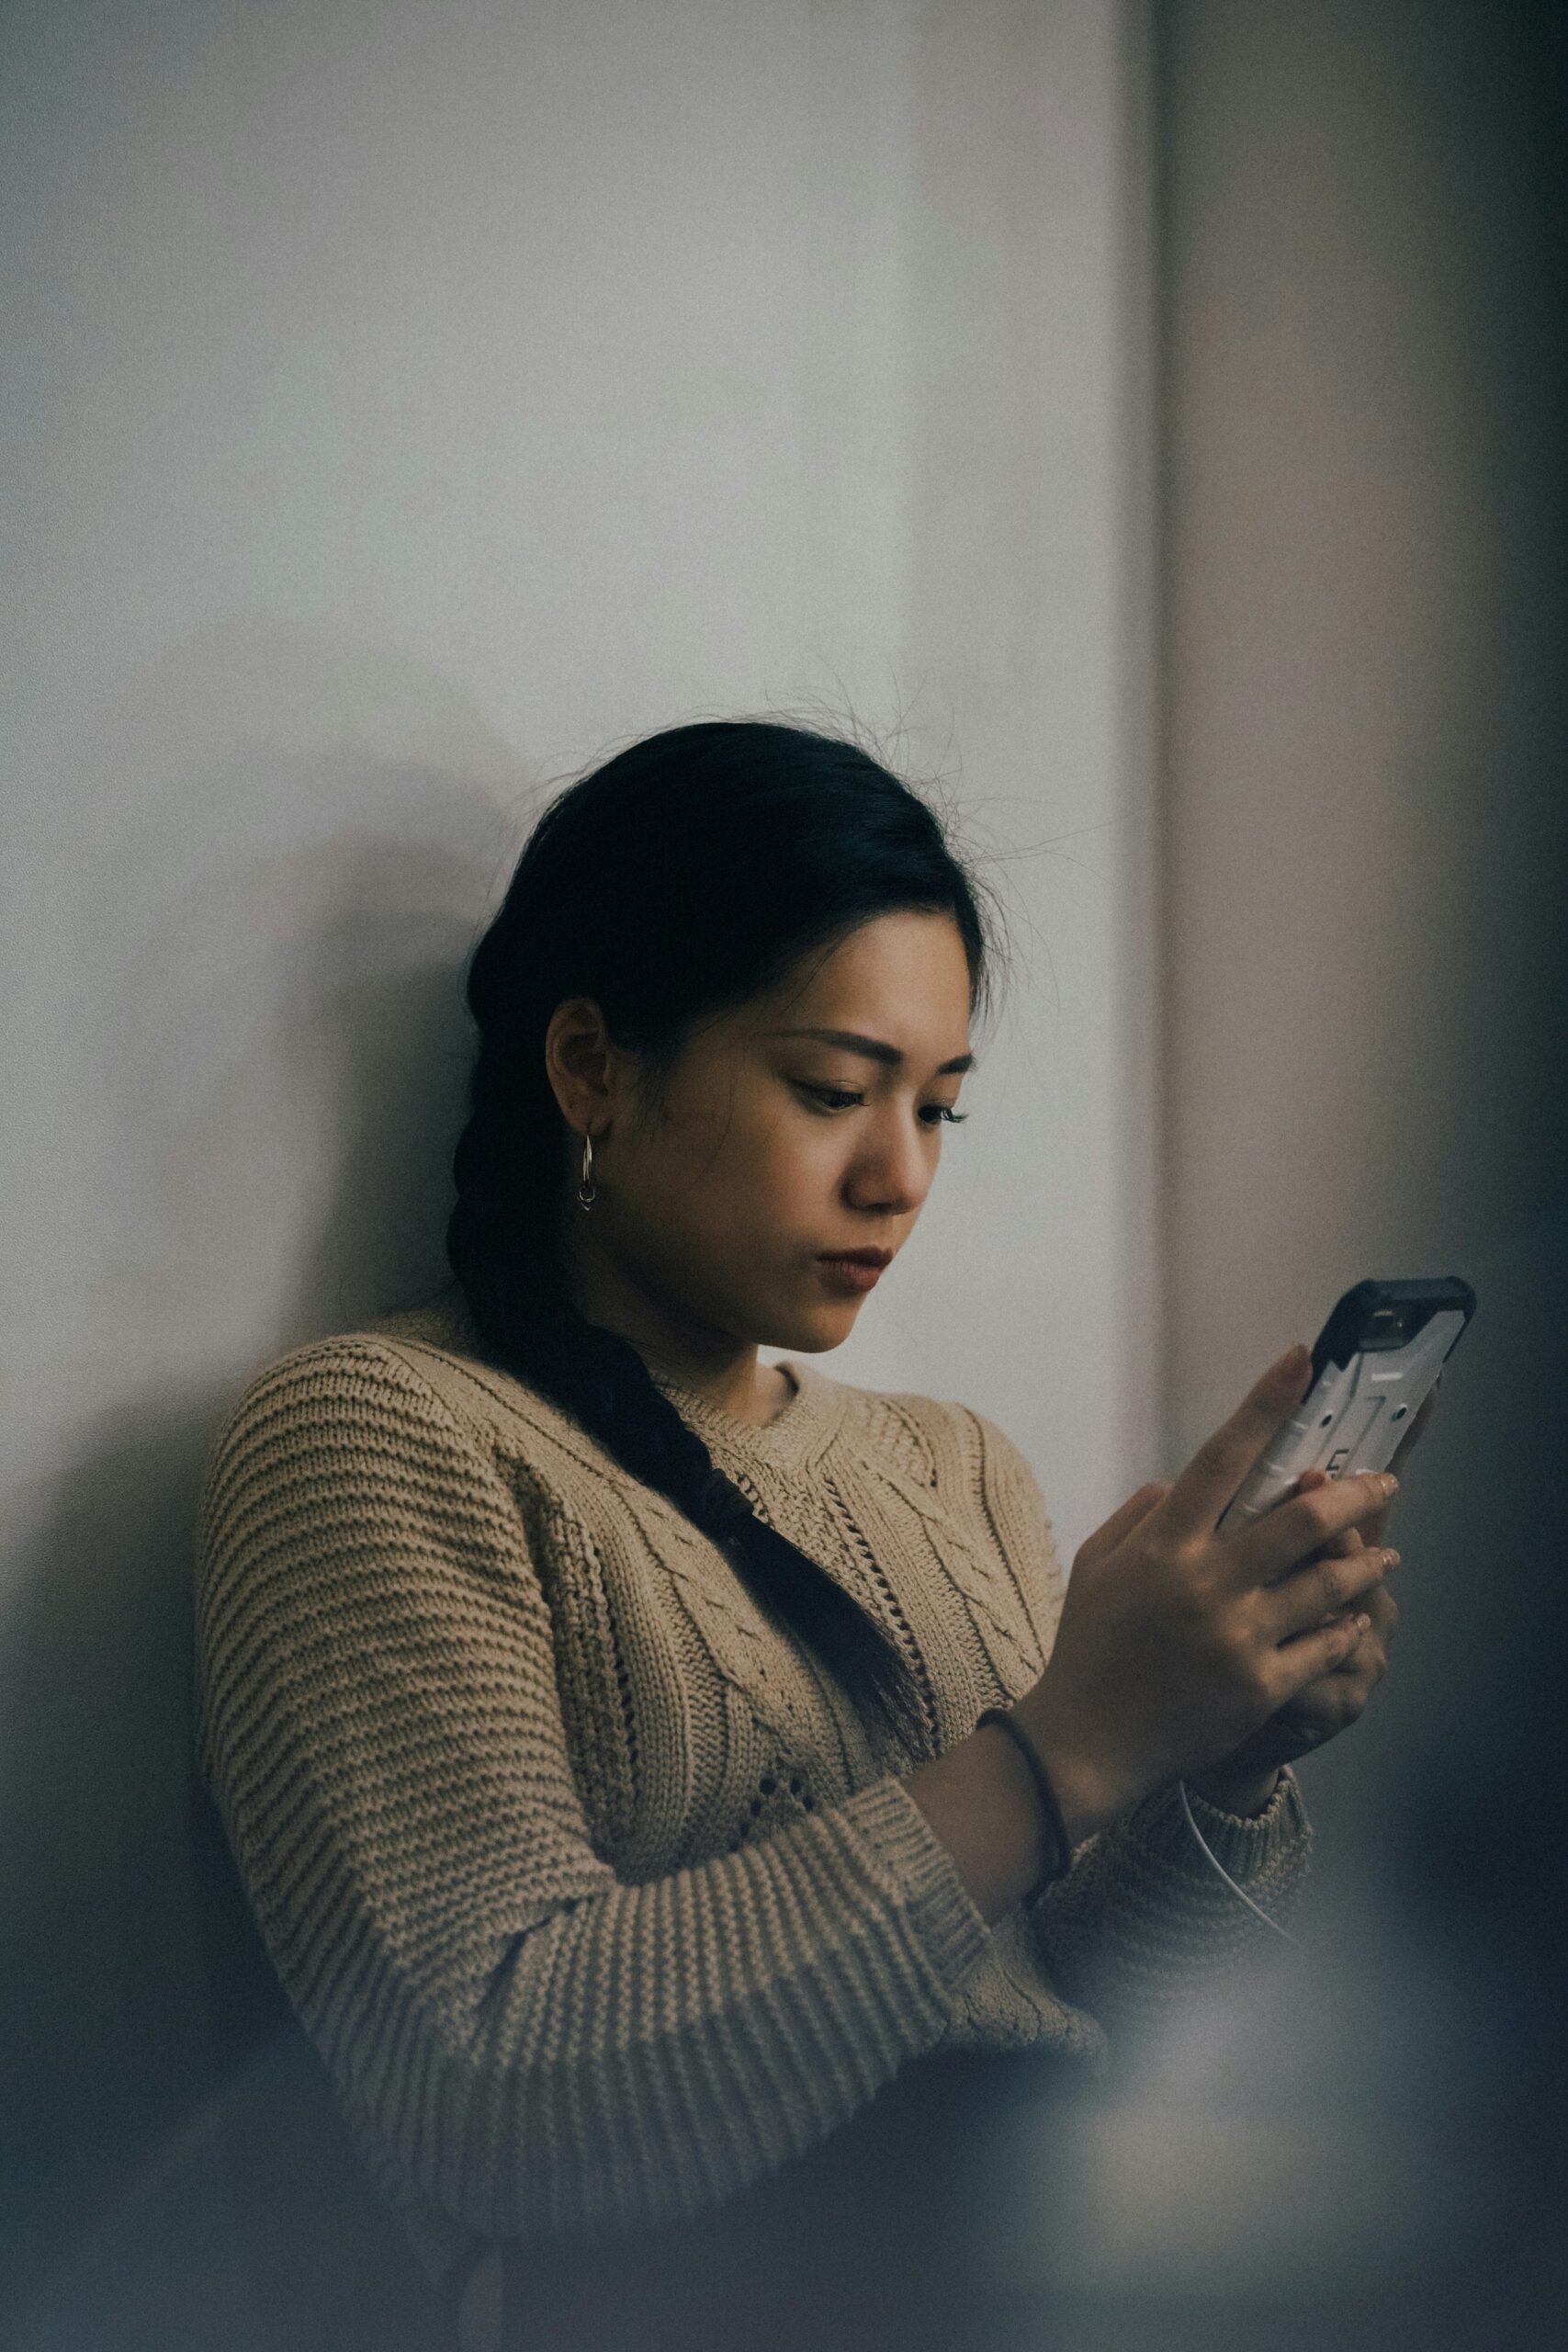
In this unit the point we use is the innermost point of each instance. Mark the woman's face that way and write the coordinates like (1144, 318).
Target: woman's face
(807, 1122)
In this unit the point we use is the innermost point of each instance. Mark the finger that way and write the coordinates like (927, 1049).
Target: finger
(1293, 1530)
(1223, 1461)
(1375, 1526)
(1368, 1531)
(1333, 1703)
(1383, 1610)
(1371, 1653)
(1349, 1538)
(1368, 1668)
(1315, 1655)
(1345, 1693)
(1120, 1523)
(1323, 1589)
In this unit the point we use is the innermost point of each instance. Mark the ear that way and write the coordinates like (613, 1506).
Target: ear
(583, 1066)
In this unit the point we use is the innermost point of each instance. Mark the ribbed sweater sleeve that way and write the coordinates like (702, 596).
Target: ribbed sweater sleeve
(535, 2046)
(1144, 1920)
(1142, 1917)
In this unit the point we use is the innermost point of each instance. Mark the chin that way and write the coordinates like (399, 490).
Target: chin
(813, 1335)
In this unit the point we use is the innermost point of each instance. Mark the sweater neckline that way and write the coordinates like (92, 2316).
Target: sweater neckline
(792, 1438)
(791, 1441)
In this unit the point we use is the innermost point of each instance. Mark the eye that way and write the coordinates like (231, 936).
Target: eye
(841, 1098)
(831, 1098)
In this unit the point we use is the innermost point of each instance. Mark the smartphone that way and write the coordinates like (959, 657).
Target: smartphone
(1376, 1358)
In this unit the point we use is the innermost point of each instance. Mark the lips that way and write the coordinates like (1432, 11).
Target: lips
(852, 1271)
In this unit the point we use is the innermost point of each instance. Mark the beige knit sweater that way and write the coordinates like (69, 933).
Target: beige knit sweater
(591, 1889)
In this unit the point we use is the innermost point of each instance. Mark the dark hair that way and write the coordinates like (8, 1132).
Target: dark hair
(686, 875)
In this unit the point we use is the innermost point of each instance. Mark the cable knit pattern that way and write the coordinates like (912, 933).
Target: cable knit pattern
(597, 1898)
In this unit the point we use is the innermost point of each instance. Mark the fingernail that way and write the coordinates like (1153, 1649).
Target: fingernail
(1391, 1559)
(1363, 1624)
(1390, 1482)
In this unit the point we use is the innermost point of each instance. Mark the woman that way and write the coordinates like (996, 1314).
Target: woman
(595, 1711)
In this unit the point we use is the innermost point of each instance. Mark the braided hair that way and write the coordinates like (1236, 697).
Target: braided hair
(686, 875)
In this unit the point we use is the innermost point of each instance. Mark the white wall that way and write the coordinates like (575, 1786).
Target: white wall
(405, 406)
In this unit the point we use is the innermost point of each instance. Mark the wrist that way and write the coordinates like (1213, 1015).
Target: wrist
(1054, 1847)
(1086, 1795)
(981, 1802)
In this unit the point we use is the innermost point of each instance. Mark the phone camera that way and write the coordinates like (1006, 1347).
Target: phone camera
(1388, 1327)
(1399, 1412)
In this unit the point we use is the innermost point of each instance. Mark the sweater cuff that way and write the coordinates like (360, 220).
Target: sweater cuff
(1248, 1845)
(922, 1875)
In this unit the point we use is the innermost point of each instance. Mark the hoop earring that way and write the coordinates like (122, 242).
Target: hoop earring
(587, 1190)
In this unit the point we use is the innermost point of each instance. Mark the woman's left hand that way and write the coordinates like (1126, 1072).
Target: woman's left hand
(1244, 1781)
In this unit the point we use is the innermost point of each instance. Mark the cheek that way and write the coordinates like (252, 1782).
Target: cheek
(740, 1179)
(732, 1181)
(768, 1200)
(792, 1169)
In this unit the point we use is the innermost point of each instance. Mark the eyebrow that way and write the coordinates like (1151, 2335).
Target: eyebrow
(872, 1047)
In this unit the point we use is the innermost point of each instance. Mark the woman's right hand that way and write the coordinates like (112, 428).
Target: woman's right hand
(1176, 1642)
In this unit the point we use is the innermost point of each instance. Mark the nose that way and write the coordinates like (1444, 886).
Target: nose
(892, 1171)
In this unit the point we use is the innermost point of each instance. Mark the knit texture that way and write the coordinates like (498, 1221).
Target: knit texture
(596, 1897)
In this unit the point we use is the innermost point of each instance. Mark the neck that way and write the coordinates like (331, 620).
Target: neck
(713, 1365)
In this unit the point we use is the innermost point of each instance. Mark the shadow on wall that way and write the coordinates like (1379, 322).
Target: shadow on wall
(274, 933)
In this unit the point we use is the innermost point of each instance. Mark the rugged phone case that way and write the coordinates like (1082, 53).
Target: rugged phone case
(1376, 1358)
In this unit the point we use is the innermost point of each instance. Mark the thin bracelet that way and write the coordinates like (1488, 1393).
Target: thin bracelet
(1208, 1849)
(1062, 1861)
